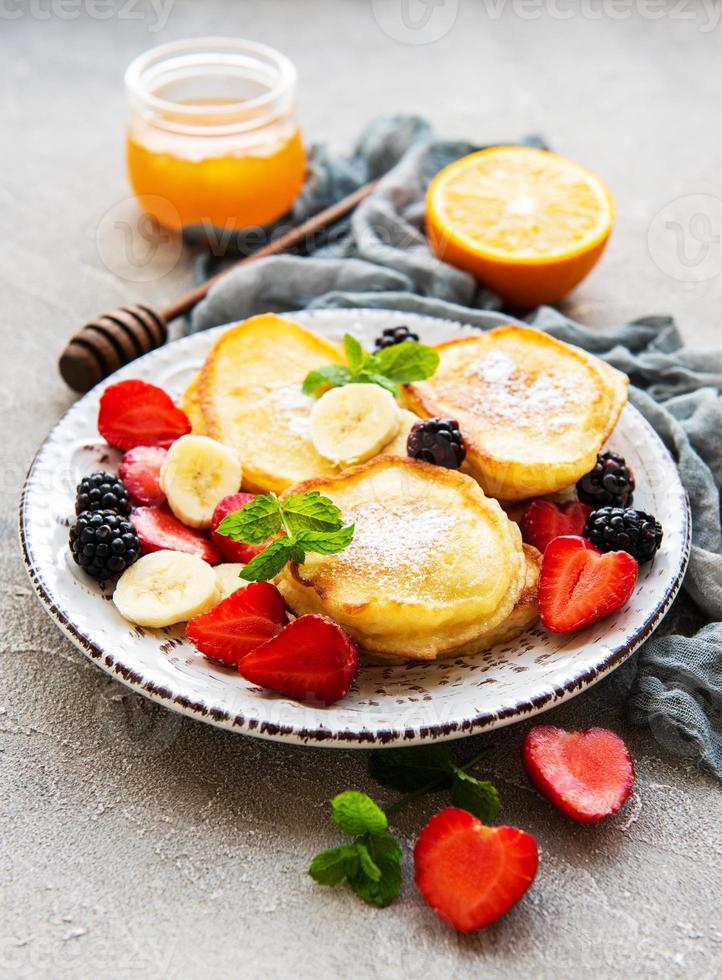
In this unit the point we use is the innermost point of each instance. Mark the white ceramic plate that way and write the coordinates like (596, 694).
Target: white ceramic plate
(387, 705)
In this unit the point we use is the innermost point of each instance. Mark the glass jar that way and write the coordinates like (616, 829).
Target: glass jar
(212, 133)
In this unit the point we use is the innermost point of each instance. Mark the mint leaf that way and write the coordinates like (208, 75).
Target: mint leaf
(478, 796)
(271, 560)
(386, 856)
(326, 542)
(254, 523)
(332, 866)
(311, 512)
(405, 362)
(356, 813)
(335, 375)
(407, 770)
(369, 377)
(356, 356)
(366, 863)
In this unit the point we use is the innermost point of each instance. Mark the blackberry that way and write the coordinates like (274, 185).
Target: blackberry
(609, 484)
(622, 529)
(102, 491)
(437, 441)
(395, 335)
(103, 543)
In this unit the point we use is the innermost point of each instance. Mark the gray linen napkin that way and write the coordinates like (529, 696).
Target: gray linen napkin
(379, 258)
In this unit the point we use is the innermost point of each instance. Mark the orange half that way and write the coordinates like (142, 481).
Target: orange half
(527, 223)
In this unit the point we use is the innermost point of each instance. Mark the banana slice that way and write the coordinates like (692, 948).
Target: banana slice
(166, 587)
(198, 473)
(351, 424)
(397, 446)
(228, 580)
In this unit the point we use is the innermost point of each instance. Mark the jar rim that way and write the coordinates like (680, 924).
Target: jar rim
(282, 86)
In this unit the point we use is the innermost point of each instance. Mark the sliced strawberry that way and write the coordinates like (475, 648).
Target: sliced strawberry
(159, 530)
(234, 551)
(135, 413)
(140, 472)
(312, 659)
(471, 874)
(587, 775)
(579, 585)
(245, 620)
(543, 521)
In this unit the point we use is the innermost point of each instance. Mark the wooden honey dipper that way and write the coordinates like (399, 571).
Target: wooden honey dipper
(116, 338)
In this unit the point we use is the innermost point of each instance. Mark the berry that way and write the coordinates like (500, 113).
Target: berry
(229, 550)
(312, 659)
(587, 775)
(609, 484)
(135, 413)
(240, 623)
(579, 585)
(617, 529)
(159, 530)
(471, 874)
(103, 543)
(543, 521)
(102, 491)
(395, 335)
(437, 441)
(140, 471)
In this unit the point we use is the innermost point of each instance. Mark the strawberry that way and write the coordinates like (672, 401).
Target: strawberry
(135, 413)
(312, 659)
(140, 472)
(471, 874)
(245, 620)
(159, 530)
(587, 775)
(233, 551)
(579, 585)
(543, 521)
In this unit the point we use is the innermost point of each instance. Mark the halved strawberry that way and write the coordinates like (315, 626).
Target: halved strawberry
(579, 585)
(588, 775)
(312, 659)
(471, 874)
(159, 530)
(234, 551)
(140, 472)
(245, 620)
(543, 521)
(135, 413)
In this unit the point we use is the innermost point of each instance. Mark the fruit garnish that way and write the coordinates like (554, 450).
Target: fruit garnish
(135, 413)
(165, 588)
(228, 576)
(471, 874)
(140, 471)
(198, 473)
(543, 521)
(620, 529)
(310, 522)
(587, 775)
(159, 530)
(579, 585)
(395, 335)
(437, 441)
(102, 491)
(240, 623)
(311, 659)
(527, 223)
(389, 367)
(230, 550)
(103, 543)
(610, 483)
(353, 423)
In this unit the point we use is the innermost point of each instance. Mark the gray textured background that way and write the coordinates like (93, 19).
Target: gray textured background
(135, 843)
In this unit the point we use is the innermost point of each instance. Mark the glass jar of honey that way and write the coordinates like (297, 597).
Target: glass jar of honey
(212, 137)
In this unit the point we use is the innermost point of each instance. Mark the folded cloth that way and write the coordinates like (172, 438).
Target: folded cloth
(380, 258)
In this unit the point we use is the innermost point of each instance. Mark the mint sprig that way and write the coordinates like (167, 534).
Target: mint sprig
(307, 522)
(390, 367)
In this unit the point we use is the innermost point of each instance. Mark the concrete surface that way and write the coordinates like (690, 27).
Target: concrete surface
(135, 843)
